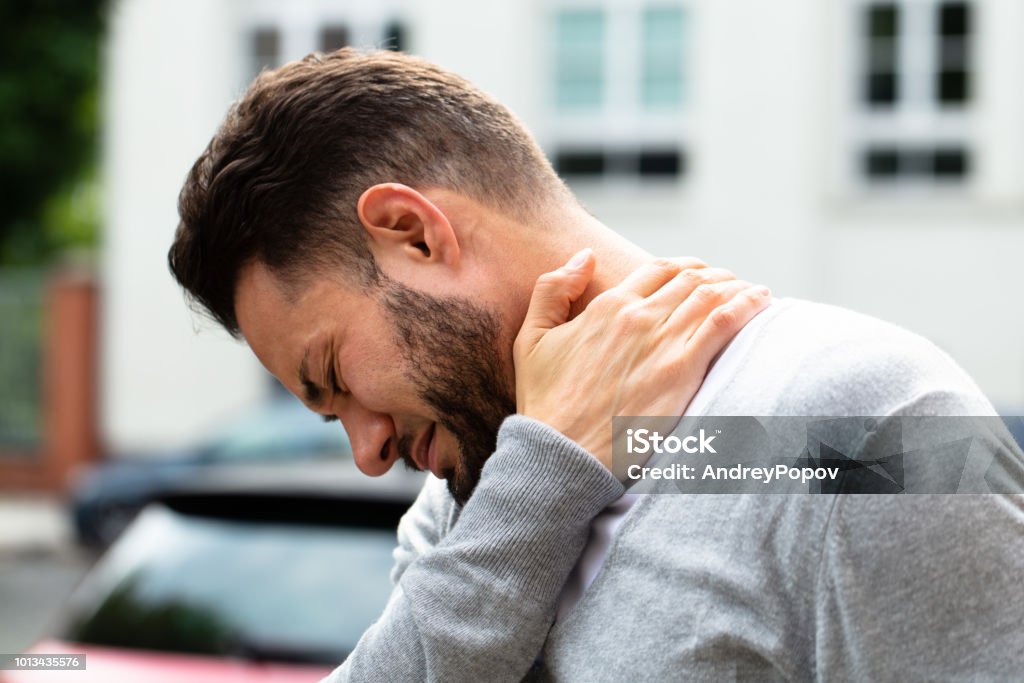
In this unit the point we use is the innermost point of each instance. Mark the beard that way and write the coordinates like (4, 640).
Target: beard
(451, 347)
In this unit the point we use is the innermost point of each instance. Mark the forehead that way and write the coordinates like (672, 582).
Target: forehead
(279, 327)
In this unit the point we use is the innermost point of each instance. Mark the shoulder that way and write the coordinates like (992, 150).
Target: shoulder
(838, 361)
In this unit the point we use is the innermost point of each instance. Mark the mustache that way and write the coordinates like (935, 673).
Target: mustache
(404, 447)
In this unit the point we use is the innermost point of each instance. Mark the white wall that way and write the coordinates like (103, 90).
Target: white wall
(170, 74)
(767, 114)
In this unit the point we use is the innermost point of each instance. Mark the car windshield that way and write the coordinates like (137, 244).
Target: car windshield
(286, 592)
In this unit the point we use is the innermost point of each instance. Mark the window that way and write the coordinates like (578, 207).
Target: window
(888, 164)
(653, 162)
(264, 50)
(276, 32)
(922, 44)
(579, 61)
(593, 163)
(661, 81)
(618, 89)
(580, 163)
(394, 37)
(881, 86)
(915, 89)
(333, 37)
(953, 73)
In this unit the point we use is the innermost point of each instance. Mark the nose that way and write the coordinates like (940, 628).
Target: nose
(372, 436)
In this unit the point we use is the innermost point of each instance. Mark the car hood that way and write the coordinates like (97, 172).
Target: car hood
(111, 665)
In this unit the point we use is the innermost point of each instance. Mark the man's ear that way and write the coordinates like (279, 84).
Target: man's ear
(403, 223)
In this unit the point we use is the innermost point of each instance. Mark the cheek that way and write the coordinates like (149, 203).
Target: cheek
(380, 381)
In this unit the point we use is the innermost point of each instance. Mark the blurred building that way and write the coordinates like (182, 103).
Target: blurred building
(858, 152)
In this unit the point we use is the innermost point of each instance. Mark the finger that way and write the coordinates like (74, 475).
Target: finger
(719, 328)
(689, 262)
(649, 277)
(553, 295)
(691, 313)
(684, 284)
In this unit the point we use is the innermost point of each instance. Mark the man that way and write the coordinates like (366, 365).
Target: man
(374, 227)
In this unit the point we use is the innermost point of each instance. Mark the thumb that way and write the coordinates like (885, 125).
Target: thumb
(553, 296)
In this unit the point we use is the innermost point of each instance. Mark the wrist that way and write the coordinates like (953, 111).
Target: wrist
(534, 449)
(595, 441)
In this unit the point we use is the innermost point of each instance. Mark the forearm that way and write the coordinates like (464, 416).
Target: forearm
(478, 605)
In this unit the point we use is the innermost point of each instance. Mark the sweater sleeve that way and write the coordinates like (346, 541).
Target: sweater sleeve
(478, 605)
(423, 525)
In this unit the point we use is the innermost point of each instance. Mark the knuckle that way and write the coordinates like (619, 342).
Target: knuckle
(632, 317)
(753, 295)
(723, 318)
(717, 275)
(706, 293)
(628, 319)
(611, 300)
(693, 276)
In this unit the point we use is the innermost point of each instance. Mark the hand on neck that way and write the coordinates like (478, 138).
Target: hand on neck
(616, 257)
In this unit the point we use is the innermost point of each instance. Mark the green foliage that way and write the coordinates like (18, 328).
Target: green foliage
(20, 331)
(49, 73)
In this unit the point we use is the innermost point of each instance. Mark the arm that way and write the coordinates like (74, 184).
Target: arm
(479, 604)
(424, 525)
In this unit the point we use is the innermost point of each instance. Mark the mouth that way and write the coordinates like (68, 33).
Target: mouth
(425, 453)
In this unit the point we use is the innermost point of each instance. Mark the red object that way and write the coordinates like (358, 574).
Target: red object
(111, 665)
(69, 389)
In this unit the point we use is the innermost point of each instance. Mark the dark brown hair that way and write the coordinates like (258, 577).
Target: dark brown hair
(280, 180)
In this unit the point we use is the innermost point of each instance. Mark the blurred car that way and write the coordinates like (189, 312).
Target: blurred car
(105, 498)
(241, 581)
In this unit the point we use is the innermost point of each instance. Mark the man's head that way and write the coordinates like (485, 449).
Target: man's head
(351, 219)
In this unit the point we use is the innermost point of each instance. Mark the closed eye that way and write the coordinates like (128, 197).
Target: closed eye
(332, 380)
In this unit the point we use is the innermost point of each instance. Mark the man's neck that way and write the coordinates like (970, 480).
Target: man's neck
(616, 258)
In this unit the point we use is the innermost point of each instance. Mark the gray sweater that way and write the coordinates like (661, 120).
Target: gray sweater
(751, 587)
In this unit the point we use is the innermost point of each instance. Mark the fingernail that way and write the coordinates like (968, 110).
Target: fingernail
(579, 259)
